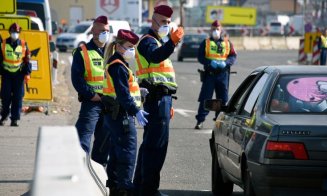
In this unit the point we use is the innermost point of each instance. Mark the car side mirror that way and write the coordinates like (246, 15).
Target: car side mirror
(52, 46)
(213, 105)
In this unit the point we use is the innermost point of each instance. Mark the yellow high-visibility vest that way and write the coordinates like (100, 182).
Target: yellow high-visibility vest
(323, 41)
(109, 88)
(94, 69)
(162, 72)
(212, 47)
(12, 59)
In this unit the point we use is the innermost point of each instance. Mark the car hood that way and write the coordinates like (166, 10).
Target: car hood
(299, 119)
(68, 35)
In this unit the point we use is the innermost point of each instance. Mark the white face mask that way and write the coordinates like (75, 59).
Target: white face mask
(216, 34)
(104, 37)
(14, 36)
(129, 53)
(163, 31)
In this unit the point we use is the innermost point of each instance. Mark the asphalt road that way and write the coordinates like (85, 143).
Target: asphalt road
(187, 170)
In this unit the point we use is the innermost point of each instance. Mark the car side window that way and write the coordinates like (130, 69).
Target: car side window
(237, 99)
(253, 96)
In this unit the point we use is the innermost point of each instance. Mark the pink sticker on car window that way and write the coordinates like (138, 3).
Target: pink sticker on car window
(310, 89)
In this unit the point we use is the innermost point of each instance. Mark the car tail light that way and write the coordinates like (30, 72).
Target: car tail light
(30, 13)
(286, 150)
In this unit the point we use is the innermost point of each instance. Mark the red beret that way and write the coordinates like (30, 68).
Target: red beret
(164, 10)
(128, 36)
(102, 20)
(215, 23)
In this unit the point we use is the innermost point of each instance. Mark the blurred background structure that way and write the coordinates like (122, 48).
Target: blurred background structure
(294, 17)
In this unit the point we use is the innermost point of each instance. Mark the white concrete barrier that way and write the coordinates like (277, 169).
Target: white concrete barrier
(279, 43)
(61, 165)
(265, 43)
(293, 43)
(251, 43)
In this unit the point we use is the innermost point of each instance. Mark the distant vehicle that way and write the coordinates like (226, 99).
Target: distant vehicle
(36, 24)
(143, 29)
(40, 9)
(75, 36)
(189, 46)
(271, 138)
(54, 27)
(276, 28)
(81, 34)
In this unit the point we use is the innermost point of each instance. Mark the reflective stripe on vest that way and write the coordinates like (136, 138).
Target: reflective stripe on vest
(162, 72)
(323, 41)
(134, 89)
(211, 50)
(93, 63)
(12, 59)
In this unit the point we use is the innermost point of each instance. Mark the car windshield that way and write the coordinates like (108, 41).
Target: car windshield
(194, 38)
(142, 30)
(299, 94)
(81, 28)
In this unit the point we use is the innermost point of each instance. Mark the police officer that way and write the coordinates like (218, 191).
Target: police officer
(156, 73)
(121, 87)
(323, 47)
(87, 73)
(15, 68)
(216, 54)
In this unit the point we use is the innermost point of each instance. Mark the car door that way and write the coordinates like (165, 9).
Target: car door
(225, 121)
(239, 127)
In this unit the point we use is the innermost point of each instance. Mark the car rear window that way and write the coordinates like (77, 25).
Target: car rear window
(194, 38)
(299, 94)
(276, 24)
(78, 28)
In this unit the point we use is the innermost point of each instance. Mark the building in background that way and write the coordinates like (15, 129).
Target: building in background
(192, 12)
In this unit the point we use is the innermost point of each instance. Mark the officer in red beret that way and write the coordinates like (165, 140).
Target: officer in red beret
(87, 78)
(15, 68)
(156, 73)
(121, 88)
(216, 60)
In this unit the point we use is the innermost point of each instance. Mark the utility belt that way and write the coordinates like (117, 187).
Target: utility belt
(112, 106)
(157, 91)
(81, 98)
(211, 72)
(114, 109)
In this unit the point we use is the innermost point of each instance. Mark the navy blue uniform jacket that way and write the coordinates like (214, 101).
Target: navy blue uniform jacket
(120, 76)
(152, 53)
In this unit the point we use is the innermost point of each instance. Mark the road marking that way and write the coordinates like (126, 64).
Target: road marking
(204, 131)
(183, 112)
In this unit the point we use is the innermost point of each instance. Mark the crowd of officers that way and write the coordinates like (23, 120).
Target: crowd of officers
(112, 97)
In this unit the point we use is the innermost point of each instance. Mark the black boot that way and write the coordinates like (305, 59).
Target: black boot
(113, 192)
(198, 125)
(124, 192)
(14, 123)
(2, 121)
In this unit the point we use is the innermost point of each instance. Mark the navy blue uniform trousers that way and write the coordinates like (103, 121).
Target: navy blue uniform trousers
(122, 152)
(323, 57)
(153, 150)
(12, 93)
(211, 83)
(89, 121)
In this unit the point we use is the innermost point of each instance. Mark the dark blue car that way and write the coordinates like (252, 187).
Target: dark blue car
(271, 137)
(190, 45)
